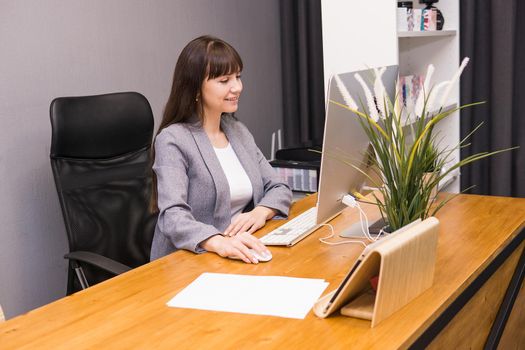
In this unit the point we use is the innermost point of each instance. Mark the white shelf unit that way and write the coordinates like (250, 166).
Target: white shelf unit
(358, 35)
(351, 41)
(416, 50)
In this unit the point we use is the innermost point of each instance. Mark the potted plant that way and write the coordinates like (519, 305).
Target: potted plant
(406, 154)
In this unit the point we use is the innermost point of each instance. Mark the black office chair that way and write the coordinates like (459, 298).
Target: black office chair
(100, 156)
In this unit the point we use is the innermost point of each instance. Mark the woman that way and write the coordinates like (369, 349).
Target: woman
(212, 185)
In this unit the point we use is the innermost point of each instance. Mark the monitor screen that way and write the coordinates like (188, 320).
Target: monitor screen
(345, 141)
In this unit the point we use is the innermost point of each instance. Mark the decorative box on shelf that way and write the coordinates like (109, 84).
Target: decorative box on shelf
(301, 176)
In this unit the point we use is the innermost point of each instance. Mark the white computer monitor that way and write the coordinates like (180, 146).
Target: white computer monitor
(345, 139)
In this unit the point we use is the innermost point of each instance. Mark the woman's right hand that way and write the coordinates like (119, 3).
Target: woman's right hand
(235, 247)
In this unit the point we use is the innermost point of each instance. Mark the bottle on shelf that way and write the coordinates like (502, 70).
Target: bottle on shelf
(440, 20)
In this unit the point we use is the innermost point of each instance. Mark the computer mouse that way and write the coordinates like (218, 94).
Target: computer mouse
(261, 257)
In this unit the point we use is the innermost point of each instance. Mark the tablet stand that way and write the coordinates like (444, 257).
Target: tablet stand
(405, 266)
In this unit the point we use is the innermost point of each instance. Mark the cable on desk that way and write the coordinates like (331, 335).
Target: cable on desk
(324, 239)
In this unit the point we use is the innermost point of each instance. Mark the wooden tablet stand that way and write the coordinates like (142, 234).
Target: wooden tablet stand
(405, 266)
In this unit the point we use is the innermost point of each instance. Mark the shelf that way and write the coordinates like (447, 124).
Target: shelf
(430, 33)
(446, 108)
(447, 180)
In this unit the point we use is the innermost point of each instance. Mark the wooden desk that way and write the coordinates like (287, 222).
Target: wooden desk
(129, 311)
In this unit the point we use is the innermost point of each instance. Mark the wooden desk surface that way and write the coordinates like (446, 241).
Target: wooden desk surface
(129, 311)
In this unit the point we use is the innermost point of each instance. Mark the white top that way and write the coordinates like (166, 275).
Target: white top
(241, 190)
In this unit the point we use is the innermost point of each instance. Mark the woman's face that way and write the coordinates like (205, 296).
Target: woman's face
(221, 94)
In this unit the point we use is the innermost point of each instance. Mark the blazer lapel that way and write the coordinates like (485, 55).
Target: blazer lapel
(222, 212)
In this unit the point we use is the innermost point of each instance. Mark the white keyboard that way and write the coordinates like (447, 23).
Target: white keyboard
(294, 230)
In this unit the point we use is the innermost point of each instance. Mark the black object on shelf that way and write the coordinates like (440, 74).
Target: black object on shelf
(440, 20)
(299, 153)
(405, 4)
(299, 167)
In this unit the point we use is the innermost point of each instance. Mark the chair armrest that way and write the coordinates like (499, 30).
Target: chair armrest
(99, 261)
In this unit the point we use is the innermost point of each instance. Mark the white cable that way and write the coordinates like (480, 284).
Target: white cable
(351, 202)
(365, 229)
(324, 239)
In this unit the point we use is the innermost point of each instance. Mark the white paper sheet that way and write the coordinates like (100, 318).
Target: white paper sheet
(261, 295)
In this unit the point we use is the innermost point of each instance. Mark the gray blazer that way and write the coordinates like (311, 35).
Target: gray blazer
(193, 193)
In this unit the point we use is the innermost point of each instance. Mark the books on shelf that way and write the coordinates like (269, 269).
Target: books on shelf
(416, 20)
(402, 19)
(301, 176)
(409, 87)
(429, 19)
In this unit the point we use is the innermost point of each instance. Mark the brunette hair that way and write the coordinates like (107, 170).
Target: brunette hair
(205, 57)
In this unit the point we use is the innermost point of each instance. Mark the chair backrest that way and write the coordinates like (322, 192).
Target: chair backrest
(100, 156)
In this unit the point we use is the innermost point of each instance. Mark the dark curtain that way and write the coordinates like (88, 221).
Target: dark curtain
(302, 64)
(492, 36)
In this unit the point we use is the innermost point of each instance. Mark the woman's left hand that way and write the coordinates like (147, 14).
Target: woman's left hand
(250, 221)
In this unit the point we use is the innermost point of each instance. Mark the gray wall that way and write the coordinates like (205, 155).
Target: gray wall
(58, 48)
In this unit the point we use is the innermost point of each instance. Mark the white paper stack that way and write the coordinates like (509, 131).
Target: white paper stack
(261, 295)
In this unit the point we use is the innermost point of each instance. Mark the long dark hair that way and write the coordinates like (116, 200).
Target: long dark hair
(205, 57)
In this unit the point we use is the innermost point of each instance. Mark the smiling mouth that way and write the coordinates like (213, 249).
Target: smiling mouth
(232, 99)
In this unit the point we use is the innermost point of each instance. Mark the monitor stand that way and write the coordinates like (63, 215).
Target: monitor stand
(355, 231)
